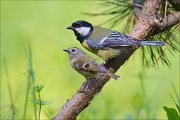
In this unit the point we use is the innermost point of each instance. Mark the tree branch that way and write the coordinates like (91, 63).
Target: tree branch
(91, 87)
(167, 22)
(170, 20)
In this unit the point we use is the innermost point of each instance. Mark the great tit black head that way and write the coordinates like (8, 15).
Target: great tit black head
(82, 29)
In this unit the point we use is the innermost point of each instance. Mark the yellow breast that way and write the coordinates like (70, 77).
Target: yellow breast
(108, 54)
(85, 45)
(104, 54)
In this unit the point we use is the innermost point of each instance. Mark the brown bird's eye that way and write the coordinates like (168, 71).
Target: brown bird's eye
(73, 50)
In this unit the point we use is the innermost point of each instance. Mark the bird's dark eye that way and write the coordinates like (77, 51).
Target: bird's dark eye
(73, 50)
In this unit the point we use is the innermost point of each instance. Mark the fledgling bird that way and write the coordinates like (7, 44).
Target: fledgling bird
(86, 65)
(103, 42)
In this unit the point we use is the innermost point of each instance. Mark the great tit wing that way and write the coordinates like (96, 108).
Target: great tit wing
(95, 44)
(114, 39)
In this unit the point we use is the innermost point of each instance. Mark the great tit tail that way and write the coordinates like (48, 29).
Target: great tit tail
(159, 43)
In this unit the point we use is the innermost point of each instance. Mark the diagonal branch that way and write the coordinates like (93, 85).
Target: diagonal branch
(170, 20)
(91, 87)
(167, 22)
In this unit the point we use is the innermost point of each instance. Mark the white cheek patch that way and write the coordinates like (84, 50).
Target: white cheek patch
(83, 30)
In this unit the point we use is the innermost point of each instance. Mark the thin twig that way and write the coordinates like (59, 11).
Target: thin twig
(165, 11)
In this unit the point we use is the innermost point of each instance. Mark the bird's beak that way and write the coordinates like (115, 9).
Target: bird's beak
(70, 27)
(66, 51)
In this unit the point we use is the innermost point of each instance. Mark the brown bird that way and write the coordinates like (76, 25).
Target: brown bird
(86, 65)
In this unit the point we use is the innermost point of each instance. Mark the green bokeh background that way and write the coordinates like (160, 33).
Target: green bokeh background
(43, 24)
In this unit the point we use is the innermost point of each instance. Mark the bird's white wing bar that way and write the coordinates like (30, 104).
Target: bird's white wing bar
(103, 40)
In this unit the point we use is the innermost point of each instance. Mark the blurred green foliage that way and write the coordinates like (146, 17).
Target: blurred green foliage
(172, 114)
(43, 24)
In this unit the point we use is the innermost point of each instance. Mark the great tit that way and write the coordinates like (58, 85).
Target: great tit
(103, 42)
(86, 65)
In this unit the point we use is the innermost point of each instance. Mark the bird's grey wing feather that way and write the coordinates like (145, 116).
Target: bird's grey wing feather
(95, 44)
(77, 65)
(114, 39)
(91, 66)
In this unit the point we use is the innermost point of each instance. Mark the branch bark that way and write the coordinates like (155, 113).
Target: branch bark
(167, 22)
(170, 20)
(91, 87)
